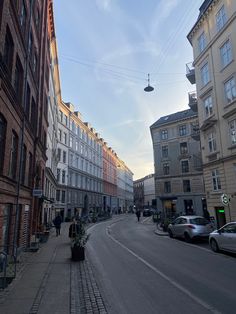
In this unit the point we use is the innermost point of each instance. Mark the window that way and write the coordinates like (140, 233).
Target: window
(183, 148)
(208, 106)
(8, 50)
(58, 195)
(33, 117)
(201, 42)
(13, 156)
(23, 16)
(63, 196)
(3, 128)
(64, 157)
(60, 116)
(166, 168)
(226, 53)
(167, 187)
(212, 142)
(216, 180)
(59, 154)
(182, 130)
(60, 135)
(65, 119)
(220, 18)
(30, 170)
(184, 166)
(186, 186)
(71, 141)
(164, 134)
(164, 151)
(65, 138)
(27, 107)
(63, 176)
(58, 174)
(232, 126)
(205, 74)
(18, 81)
(230, 90)
(24, 156)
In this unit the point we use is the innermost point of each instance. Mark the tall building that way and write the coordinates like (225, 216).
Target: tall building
(24, 88)
(79, 172)
(50, 185)
(109, 178)
(144, 192)
(179, 185)
(213, 38)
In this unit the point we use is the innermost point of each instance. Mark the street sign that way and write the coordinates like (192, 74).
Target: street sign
(224, 199)
(37, 193)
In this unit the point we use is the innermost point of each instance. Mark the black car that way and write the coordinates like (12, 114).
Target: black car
(147, 212)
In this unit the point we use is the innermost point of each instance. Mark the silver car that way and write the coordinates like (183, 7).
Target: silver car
(224, 238)
(190, 227)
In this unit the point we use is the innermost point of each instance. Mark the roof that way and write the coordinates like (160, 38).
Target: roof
(203, 8)
(174, 117)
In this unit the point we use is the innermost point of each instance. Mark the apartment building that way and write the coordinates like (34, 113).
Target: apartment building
(109, 178)
(213, 38)
(179, 186)
(79, 172)
(24, 85)
(54, 99)
(144, 192)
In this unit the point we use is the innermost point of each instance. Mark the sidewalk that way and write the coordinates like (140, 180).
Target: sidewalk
(51, 283)
(159, 231)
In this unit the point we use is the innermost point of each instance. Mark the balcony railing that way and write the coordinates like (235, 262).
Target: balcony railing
(190, 73)
(192, 101)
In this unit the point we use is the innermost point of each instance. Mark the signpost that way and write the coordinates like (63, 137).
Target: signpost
(225, 201)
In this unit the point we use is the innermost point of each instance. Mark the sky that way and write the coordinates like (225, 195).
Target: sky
(106, 49)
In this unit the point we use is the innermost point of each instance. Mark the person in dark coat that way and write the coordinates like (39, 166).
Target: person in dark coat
(57, 223)
(138, 214)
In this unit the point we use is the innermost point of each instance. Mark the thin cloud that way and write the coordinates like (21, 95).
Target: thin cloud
(104, 4)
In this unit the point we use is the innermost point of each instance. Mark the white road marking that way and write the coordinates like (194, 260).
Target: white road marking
(161, 274)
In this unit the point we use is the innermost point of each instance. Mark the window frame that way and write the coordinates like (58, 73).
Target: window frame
(186, 186)
(208, 106)
(201, 42)
(220, 18)
(232, 126)
(205, 74)
(216, 182)
(164, 134)
(231, 89)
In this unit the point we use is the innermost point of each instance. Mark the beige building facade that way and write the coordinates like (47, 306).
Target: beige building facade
(213, 38)
(179, 185)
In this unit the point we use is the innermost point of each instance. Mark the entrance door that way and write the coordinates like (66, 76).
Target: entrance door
(188, 205)
(220, 216)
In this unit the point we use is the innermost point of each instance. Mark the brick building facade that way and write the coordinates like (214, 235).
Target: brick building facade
(24, 75)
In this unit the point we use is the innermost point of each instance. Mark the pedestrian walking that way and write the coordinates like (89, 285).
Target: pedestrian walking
(138, 214)
(57, 223)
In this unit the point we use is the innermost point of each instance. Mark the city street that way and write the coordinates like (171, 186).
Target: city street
(141, 272)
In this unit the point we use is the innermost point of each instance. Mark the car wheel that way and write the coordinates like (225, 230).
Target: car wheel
(170, 233)
(214, 245)
(187, 237)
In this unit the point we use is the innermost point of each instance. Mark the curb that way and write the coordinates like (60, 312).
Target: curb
(161, 233)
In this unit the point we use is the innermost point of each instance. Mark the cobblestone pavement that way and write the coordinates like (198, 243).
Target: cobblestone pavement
(85, 294)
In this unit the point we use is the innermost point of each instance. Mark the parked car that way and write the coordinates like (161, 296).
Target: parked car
(147, 212)
(190, 227)
(224, 238)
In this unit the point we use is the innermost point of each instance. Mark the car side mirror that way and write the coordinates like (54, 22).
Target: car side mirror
(219, 231)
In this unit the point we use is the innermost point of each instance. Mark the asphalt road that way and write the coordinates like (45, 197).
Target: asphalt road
(143, 273)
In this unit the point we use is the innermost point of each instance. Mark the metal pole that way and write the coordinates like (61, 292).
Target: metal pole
(22, 134)
(229, 212)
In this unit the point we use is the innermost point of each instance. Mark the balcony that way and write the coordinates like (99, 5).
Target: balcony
(195, 132)
(208, 123)
(192, 101)
(190, 73)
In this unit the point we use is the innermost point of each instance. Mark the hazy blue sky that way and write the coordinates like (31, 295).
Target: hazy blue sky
(106, 48)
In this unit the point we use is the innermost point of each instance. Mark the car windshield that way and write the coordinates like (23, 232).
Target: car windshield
(199, 221)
